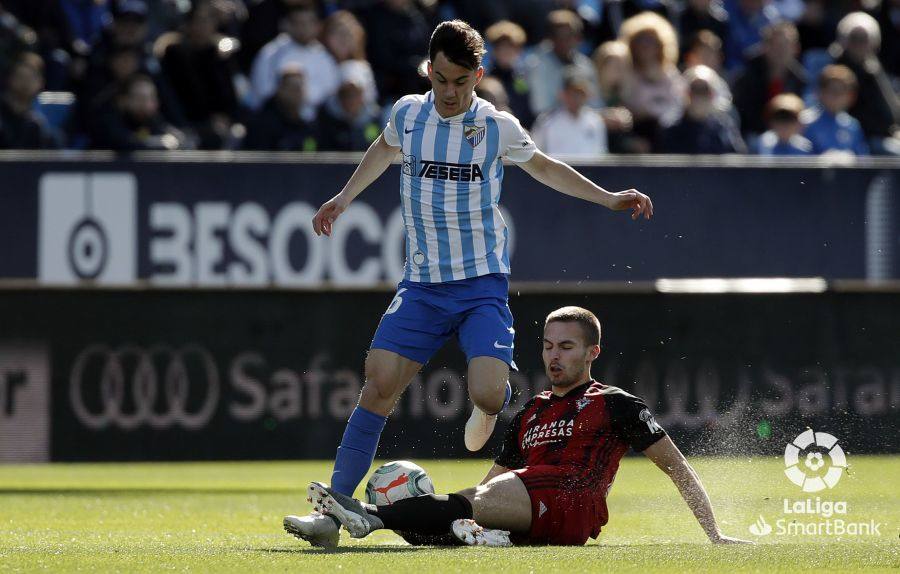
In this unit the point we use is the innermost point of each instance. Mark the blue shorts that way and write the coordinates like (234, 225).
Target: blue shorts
(422, 316)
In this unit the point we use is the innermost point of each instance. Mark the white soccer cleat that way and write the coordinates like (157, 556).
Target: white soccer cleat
(469, 532)
(347, 510)
(317, 529)
(479, 428)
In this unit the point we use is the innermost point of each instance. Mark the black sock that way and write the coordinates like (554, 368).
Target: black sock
(446, 539)
(426, 514)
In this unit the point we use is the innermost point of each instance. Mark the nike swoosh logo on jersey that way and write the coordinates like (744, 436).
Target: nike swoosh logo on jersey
(406, 131)
(497, 345)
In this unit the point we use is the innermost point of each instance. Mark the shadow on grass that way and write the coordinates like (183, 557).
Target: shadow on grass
(519, 548)
(141, 491)
(617, 545)
(352, 549)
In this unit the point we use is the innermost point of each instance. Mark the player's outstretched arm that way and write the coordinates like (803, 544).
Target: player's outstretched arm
(378, 157)
(669, 459)
(564, 179)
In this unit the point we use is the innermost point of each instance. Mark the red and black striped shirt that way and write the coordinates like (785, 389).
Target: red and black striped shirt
(588, 431)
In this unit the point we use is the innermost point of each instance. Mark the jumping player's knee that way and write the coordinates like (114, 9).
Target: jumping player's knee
(378, 393)
(488, 381)
(373, 400)
(490, 397)
(488, 402)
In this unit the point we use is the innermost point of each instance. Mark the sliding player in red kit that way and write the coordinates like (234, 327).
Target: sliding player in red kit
(560, 456)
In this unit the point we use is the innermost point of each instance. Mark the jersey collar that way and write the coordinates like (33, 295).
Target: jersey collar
(429, 97)
(574, 391)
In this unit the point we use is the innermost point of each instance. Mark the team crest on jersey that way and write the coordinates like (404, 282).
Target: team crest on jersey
(409, 164)
(474, 134)
(581, 403)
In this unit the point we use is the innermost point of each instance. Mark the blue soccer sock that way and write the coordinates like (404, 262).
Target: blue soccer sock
(506, 399)
(357, 450)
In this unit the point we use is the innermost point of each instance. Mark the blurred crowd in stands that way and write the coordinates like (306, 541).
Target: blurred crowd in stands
(587, 77)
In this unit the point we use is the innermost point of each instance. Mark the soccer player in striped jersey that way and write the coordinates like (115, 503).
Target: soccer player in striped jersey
(453, 145)
(559, 460)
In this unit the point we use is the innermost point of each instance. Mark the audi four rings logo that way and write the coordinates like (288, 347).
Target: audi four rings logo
(130, 386)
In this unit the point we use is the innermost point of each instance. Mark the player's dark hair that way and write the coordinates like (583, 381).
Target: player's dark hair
(590, 325)
(460, 43)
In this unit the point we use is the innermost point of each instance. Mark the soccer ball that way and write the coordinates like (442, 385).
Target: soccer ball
(397, 480)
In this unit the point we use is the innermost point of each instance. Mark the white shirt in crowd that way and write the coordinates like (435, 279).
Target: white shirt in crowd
(558, 132)
(319, 68)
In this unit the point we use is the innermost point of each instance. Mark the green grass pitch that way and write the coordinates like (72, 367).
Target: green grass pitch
(226, 517)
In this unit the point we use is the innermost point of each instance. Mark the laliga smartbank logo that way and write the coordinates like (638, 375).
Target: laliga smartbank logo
(815, 462)
(813, 445)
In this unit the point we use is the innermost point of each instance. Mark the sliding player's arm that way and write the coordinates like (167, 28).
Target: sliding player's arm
(511, 452)
(563, 178)
(377, 159)
(669, 459)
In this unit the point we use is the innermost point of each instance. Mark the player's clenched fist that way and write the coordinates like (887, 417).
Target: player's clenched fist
(326, 215)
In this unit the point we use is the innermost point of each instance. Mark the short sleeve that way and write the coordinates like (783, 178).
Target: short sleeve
(632, 420)
(511, 454)
(391, 137)
(515, 142)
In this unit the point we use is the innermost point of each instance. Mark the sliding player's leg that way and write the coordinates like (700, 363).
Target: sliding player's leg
(429, 514)
(502, 503)
(499, 508)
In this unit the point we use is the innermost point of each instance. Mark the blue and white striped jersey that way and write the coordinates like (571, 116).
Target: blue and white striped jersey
(450, 186)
